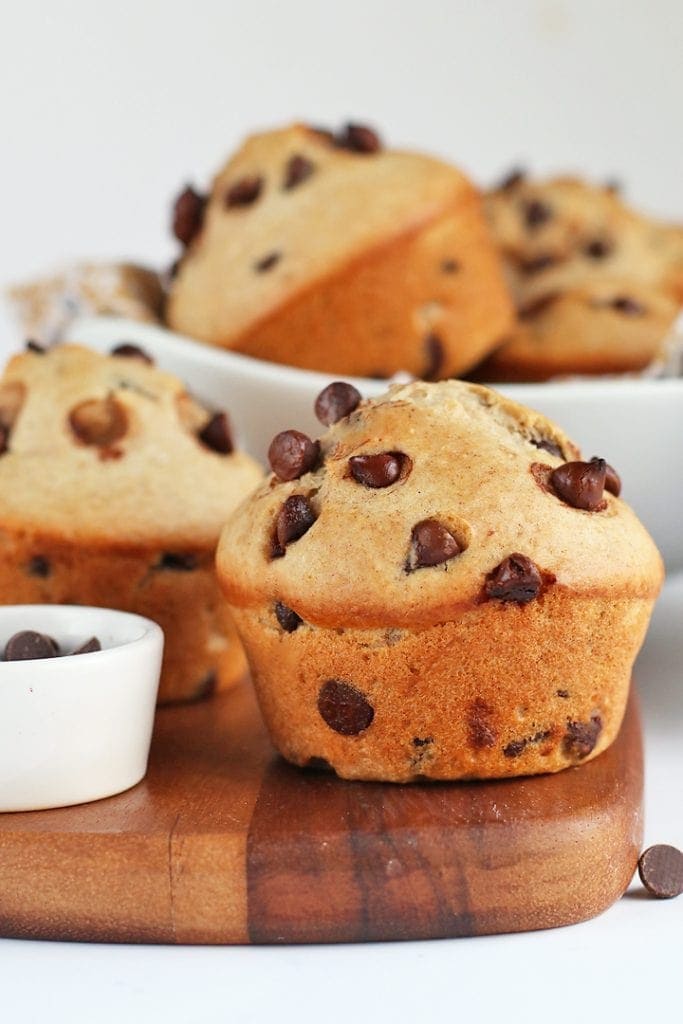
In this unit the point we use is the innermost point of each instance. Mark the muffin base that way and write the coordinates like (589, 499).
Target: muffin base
(505, 690)
(202, 652)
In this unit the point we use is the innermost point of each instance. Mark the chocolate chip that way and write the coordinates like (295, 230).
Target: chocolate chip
(562, 693)
(434, 355)
(244, 192)
(580, 737)
(89, 647)
(661, 871)
(380, 470)
(174, 562)
(38, 566)
(99, 421)
(287, 617)
(4, 439)
(267, 262)
(628, 306)
(512, 178)
(598, 249)
(188, 215)
(481, 732)
(216, 434)
(514, 748)
(536, 213)
(449, 266)
(517, 579)
(335, 402)
(358, 138)
(298, 169)
(431, 543)
(29, 645)
(422, 741)
(129, 351)
(344, 708)
(546, 445)
(539, 305)
(612, 478)
(35, 347)
(294, 519)
(291, 454)
(538, 263)
(580, 484)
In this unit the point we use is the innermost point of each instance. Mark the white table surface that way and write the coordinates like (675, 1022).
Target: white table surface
(623, 965)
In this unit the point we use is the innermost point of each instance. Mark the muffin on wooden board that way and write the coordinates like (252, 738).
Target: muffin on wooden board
(45, 308)
(597, 286)
(114, 485)
(439, 588)
(331, 253)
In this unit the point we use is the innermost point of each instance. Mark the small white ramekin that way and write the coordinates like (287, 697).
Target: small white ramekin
(76, 728)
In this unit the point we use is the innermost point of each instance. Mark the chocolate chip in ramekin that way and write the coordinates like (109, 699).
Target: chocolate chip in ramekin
(28, 645)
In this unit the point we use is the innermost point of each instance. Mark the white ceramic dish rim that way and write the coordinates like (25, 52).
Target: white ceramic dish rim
(201, 353)
(11, 671)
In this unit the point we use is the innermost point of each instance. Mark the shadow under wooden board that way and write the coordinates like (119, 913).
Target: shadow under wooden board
(225, 843)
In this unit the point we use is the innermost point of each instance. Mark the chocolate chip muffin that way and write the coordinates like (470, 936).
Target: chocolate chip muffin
(46, 308)
(114, 485)
(597, 286)
(440, 587)
(328, 252)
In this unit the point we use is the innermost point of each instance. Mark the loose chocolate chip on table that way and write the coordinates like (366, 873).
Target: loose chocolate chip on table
(517, 579)
(434, 356)
(598, 249)
(177, 563)
(358, 138)
(661, 871)
(298, 169)
(546, 445)
(449, 266)
(580, 737)
(512, 178)
(89, 647)
(380, 470)
(580, 484)
(128, 350)
(99, 421)
(29, 645)
(336, 401)
(244, 192)
(344, 708)
(537, 306)
(431, 543)
(35, 347)
(38, 566)
(291, 454)
(216, 434)
(294, 519)
(624, 304)
(267, 262)
(612, 478)
(287, 617)
(536, 213)
(188, 215)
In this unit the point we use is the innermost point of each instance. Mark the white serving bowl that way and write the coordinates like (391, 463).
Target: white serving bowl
(636, 424)
(76, 728)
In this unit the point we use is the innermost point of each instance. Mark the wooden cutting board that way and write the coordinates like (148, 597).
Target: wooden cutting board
(225, 843)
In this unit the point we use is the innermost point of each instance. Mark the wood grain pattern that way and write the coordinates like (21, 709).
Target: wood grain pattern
(225, 843)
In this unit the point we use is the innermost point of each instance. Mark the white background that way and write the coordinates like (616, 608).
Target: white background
(106, 110)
